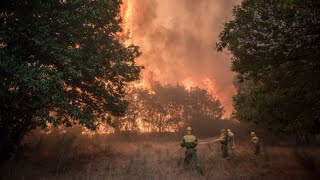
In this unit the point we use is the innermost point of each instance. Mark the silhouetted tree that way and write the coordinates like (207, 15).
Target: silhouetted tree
(170, 108)
(275, 47)
(202, 111)
(62, 62)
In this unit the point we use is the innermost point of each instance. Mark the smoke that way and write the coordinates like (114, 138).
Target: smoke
(177, 39)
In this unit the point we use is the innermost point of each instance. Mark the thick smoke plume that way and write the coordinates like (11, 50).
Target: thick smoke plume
(177, 39)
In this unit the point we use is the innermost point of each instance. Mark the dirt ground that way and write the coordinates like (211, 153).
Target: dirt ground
(81, 157)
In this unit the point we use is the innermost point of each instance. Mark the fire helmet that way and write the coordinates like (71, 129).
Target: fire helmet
(189, 128)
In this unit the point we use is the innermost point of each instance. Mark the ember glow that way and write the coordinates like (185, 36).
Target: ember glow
(177, 39)
(188, 83)
(126, 15)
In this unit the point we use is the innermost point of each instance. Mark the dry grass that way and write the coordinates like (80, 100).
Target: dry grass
(88, 158)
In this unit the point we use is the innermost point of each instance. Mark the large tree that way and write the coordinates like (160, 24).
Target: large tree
(202, 111)
(166, 108)
(275, 47)
(61, 62)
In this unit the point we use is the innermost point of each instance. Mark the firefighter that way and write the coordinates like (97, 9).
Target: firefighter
(224, 144)
(189, 141)
(231, 139)
(255, 141)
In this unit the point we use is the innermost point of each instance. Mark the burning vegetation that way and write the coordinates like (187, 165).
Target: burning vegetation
(80, 100)
(177, 40)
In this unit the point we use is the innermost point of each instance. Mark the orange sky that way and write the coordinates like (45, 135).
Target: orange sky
(177, 39)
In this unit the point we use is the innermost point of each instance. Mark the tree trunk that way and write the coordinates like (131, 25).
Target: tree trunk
(5, 144)
(11, 132)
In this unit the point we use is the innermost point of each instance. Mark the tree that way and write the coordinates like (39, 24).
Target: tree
(202, 111)
(154, 104)
(62, 62)
(275, 47)
(130, 122)
(167, 108)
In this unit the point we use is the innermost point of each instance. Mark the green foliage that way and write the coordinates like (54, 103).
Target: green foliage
(62, 63)
(275, 47)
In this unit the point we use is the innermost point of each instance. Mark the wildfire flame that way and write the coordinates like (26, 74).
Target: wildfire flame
(165, 19)
(126, 15)
(188, 83)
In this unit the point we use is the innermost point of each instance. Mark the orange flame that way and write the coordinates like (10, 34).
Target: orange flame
(126, 16)
(188, 84)
(134, 28)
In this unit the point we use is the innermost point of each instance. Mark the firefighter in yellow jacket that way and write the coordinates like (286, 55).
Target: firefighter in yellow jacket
(189, 141)
(231, 139)
(224, 143)
(255, 141)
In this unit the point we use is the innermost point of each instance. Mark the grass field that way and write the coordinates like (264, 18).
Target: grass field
(66, 156)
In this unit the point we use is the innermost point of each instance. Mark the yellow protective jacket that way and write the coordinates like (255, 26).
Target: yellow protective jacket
(223, 138)
(231, 139)
(189, 141)
(255, 140)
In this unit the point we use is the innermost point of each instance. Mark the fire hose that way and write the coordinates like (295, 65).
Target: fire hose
(170, 155)
(157, 162)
